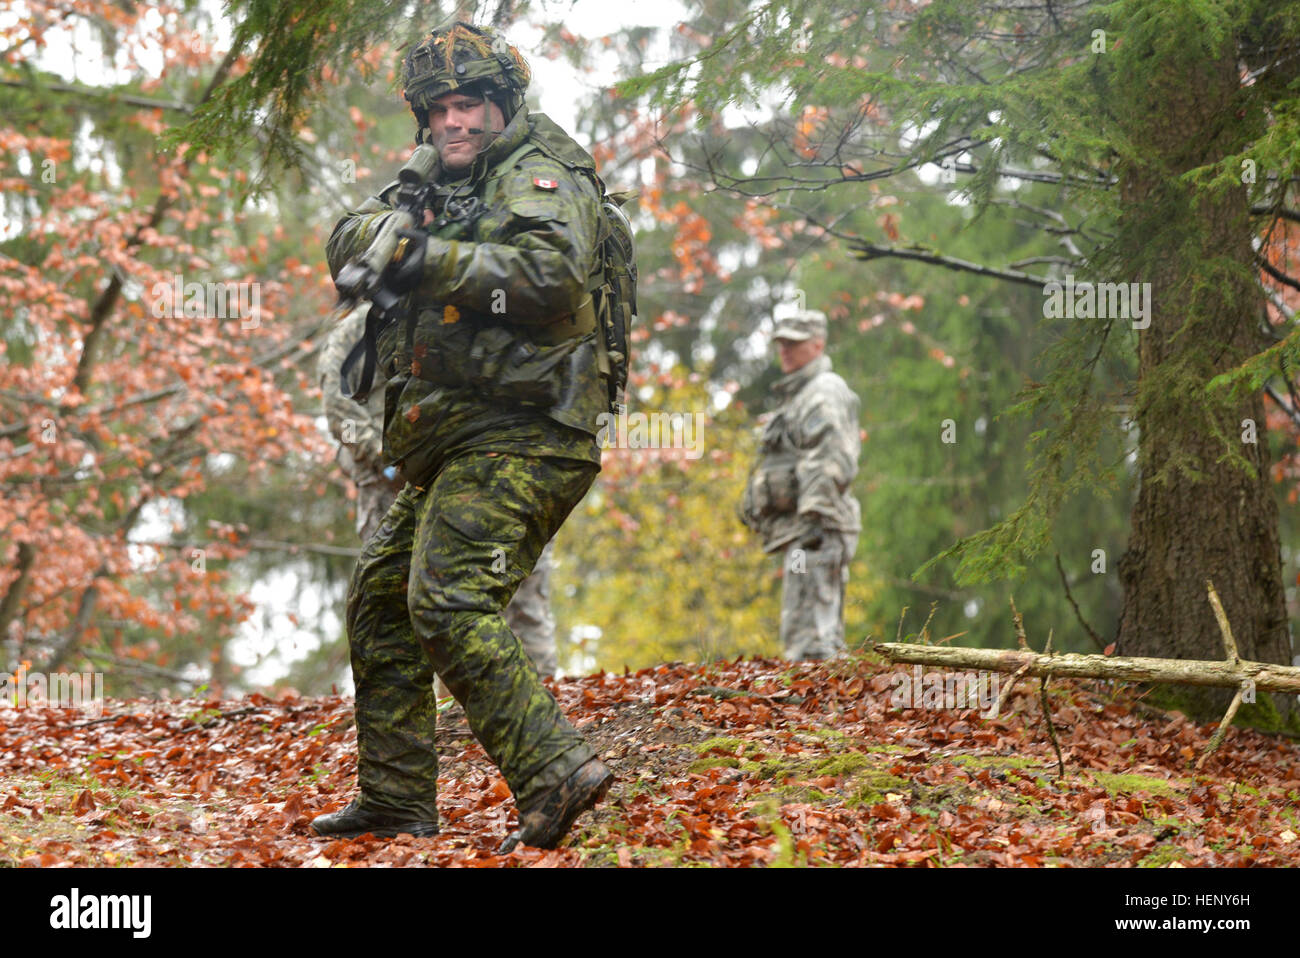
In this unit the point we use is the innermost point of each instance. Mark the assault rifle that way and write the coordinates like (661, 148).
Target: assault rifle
(371, 274)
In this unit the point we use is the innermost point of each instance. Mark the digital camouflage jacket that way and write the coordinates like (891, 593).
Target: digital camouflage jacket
(808, 459)
(361, 444)
(501, 335)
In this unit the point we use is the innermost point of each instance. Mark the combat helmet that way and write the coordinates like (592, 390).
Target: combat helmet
(464, 56)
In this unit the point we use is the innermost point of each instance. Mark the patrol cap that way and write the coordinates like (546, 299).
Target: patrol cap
(801, 325)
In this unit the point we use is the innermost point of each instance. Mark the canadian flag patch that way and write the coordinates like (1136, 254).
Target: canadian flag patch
(542, 184)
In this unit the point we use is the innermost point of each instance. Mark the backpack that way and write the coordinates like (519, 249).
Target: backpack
(615, 295)
(616, 306)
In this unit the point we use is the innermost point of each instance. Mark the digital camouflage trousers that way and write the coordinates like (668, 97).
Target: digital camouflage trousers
(529, 612)
(427, 596)
(812, 598)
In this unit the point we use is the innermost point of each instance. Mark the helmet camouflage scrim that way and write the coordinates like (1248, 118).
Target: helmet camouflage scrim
(464, 57)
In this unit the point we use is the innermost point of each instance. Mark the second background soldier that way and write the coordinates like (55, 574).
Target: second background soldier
(799, 493)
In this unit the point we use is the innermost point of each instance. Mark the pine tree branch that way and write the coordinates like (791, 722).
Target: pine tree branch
(505, 14)
(1279, 210)
(910, 586)
(128, 98)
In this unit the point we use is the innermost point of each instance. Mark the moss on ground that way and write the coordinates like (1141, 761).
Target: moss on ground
(702, 765)
(1131, 782)
(994, 761)
(1208, 705)
(1162, 856)
(728, 744)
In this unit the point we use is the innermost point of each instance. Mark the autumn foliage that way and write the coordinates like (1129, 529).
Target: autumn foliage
(740, 763)
(154, 336)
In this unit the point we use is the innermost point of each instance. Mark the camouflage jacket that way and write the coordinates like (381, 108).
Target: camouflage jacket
(493, 347)
(359, 428)
(808, 458)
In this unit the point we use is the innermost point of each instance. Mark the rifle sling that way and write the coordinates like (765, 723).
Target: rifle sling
(367, 350)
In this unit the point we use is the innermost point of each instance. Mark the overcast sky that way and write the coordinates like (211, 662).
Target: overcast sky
(558, 87)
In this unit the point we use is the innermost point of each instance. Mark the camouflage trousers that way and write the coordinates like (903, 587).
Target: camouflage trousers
(812, 598)
(375, 495)
(529, 612)
(529, 617)
(427, 595)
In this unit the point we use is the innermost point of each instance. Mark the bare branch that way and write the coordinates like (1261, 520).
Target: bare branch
(1282, 404)
(107, 300)
(869, 251)
(1279, 210)
(1276, 273)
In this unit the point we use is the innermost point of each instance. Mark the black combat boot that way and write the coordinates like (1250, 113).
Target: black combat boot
(353, 820)
(549, 820)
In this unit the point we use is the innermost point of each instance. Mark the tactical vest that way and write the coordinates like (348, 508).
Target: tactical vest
(795, 475)
(611, 308)
(549, 368)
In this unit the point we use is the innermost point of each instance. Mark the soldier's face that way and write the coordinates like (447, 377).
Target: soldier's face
(451, 118)
(797, 353)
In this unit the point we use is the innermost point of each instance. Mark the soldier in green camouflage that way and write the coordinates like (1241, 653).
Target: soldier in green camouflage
(493, 385)
(798, 496)
(359, 430)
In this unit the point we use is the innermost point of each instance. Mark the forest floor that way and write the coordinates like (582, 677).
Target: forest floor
(753, 762)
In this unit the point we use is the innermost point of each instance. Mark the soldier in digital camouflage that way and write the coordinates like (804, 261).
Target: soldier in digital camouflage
(529, 614)
(357, 427)
(798, 496)
(492, 388)
(359, 430)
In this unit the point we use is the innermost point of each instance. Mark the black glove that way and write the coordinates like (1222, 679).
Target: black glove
(405, 276)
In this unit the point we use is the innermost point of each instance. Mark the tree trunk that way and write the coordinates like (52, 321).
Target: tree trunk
(13, 596)
(1198, 514)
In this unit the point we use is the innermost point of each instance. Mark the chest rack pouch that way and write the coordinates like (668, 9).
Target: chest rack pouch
(496, 360)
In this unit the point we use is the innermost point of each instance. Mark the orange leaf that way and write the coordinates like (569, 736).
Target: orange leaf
(85, 802)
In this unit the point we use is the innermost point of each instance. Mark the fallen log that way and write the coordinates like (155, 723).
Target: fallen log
(1233, 672)
(1266, 676)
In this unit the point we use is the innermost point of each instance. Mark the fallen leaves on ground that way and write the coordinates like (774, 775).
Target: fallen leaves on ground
(742, 763)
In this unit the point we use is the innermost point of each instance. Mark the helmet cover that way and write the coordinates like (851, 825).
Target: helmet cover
(465, 58)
